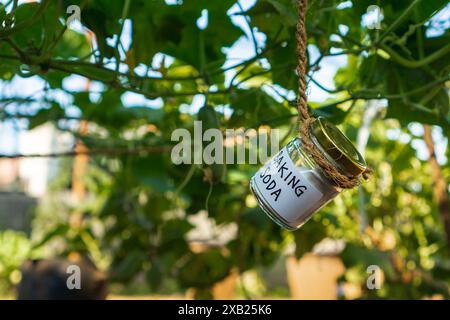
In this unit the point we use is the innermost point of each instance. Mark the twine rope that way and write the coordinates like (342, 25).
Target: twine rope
(306, 120)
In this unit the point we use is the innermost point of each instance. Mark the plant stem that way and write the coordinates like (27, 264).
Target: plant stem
(398, 21)
(416, 63)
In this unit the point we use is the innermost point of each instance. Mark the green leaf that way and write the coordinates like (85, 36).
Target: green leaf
(332, 112)
(53, 113)
(128, 267)
(72, 45)
(348, 75)
(312, 233)
(361, 256)
(270, 15)
(253, 107)
(51, 25)
(151, 171)
(425, 9)
(211, 265)
(283, 61)
(208, 116)
(174, 230)
(29, 38)
(159, 183)
(54, 78)
(154, 275)
(173, 30)
(101, 17)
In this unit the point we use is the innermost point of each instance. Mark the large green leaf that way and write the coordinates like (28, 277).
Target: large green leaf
(253, 107)
(211, 265)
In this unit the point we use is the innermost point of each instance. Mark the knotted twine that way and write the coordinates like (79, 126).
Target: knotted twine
(306, 119)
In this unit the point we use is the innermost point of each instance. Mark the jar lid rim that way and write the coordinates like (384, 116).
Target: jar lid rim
(338, 147)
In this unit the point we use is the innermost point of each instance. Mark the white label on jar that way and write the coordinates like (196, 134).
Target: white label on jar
(285, 188)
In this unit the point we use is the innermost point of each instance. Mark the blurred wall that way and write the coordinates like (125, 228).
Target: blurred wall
(16, 211)
(314, 276)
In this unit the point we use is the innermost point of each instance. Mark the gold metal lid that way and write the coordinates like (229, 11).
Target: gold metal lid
(338, 147)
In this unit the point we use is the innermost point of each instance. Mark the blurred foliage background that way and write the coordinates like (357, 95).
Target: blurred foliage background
(135, 214)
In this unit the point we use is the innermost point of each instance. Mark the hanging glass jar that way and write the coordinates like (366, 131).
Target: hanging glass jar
(291, 187)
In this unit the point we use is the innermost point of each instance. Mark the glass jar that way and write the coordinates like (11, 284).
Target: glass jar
(291, 187)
